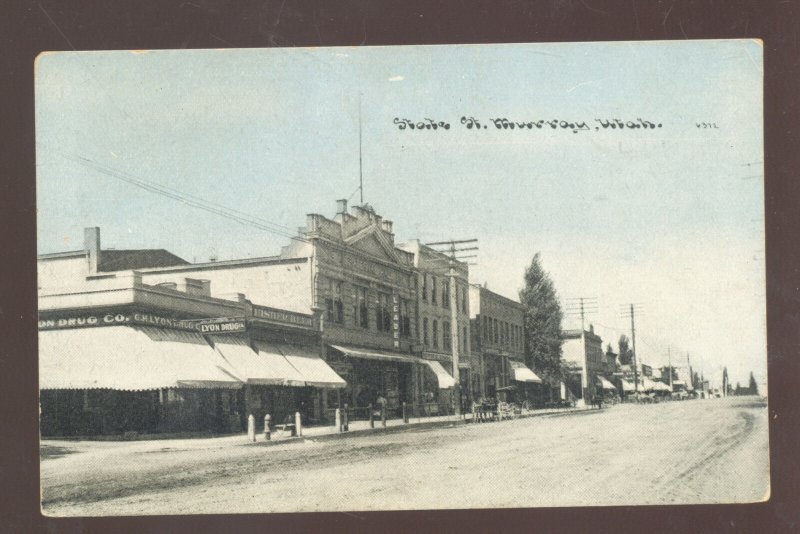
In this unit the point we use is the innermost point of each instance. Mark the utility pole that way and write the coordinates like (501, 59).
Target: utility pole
(360, 165)
(582, 306)
(669, 360)
(691, 374)
(455, 344)
(631, 312)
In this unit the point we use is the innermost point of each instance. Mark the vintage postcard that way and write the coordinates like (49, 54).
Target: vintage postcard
(419, 277)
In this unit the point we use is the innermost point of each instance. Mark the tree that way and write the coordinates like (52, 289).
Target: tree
(543, 316)
(625, 353)
(725, 384)
(753, 387)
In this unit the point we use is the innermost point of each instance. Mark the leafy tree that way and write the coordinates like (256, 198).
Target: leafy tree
(543, 316)
(753, 386)
(625, 352)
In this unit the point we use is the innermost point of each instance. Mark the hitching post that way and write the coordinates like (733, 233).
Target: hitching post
(345, 424)
(298, 424)
(267, 432)
(371, 417)
(405, 413)
(338, 419)
(251, 427)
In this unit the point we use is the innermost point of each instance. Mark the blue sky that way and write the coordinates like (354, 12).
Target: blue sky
(671, 218)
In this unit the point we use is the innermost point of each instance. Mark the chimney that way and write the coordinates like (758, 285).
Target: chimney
(341, 206)
(91, 244)
(387, 226)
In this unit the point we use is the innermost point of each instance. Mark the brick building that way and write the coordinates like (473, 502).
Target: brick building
(498, 345)
(442, 328)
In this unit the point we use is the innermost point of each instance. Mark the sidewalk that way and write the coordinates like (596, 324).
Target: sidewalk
(357, 428)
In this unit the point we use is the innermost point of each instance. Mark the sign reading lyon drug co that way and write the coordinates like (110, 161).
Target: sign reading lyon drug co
(220, 325)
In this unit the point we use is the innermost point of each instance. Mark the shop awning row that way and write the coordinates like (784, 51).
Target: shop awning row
(141, 358)
(444, 378)
(523, 374)
(130, 359)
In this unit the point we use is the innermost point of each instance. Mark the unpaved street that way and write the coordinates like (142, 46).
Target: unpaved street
(703, 451)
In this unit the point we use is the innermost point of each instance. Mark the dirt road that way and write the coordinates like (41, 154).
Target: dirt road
(705, 451)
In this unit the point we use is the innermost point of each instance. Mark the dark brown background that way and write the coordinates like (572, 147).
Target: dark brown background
(30, 27)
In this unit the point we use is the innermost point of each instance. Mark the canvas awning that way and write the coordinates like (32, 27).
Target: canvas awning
(446, 380)
(130, 359)
(281, 372)
(312, 368)
(629, 386)
(605, 383)
(252, 366)
(374, 354)
(523, 374)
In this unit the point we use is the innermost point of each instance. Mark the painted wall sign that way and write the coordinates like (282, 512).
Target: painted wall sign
(283, 316)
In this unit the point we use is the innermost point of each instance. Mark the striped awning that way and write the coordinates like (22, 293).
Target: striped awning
(131, 358)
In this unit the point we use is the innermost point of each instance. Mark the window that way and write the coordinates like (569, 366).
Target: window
(362, 312)
(383, 316)
(425, 287)
(445, 294)
(435, 334)
(464, 300)
(485, 327)
(425, 339)
(446, 344)
(334, 309)
(405, 319)
(464, 348)
(496, 331)
(434, 296)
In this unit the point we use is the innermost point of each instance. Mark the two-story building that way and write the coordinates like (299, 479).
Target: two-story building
(120, 355)
(498, 343)
(582, 353)
(443, 324)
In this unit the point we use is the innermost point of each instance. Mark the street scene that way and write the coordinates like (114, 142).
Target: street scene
(669, 453)
(360, 279)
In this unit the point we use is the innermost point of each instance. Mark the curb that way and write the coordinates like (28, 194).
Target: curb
(408, 427)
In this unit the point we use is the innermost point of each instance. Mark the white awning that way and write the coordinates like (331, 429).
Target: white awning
(446, 380)
(130, 359)
(313, 369)
(628, 386)
(252, 366)
(280, 371)
(373, 354)
(605, 383)
(523, 374)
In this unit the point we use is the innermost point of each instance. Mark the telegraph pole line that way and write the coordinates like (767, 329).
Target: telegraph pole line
(452, 275)
(582, 306)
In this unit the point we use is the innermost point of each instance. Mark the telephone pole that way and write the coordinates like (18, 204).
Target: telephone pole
(669, 364)
(631, 312)
(582, 306)
(452, 275)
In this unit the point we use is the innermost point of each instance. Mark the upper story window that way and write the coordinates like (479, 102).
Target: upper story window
(446, 343)
(334, 308)
(361, 307)
(383, 315)
(425, 287)
(434, 291)
(464, 300)
(405, 318)
(465, 343)
(495, 327)
(425, 338)
(445, 294)
(485, 328)
(435, 334)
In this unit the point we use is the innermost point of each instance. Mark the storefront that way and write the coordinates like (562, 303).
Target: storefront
(125, 371)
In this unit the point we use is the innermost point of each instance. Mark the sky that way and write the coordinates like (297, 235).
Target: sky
(670, 218)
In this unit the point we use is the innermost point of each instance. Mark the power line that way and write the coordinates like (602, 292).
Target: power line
(188, 199)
